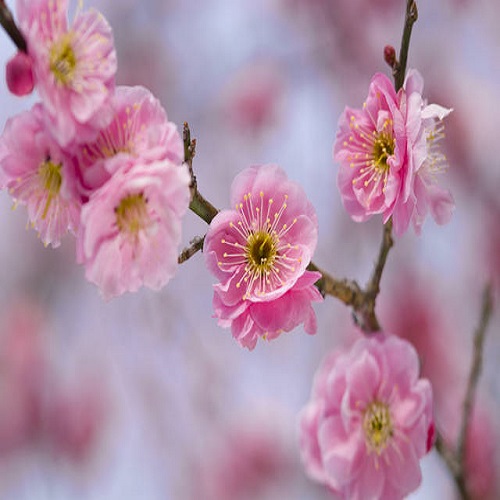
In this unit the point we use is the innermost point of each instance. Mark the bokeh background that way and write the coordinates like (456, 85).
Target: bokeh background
(145, 397)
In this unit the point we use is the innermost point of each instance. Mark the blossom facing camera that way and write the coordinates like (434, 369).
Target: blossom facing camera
(369, 420)
(131, 227)
(74, 66)
(389, 156)
(259, 251)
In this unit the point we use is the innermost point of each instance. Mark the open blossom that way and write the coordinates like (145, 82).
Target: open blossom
(40, 175)
(369, 420)
(388, 155)
(259, 251)
(74, 66)
(131, 227)
(371, 149)
(139, 129)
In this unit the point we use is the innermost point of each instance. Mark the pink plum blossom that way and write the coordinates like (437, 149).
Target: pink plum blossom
(389, 156)
(369, 420)
(139, 129)
(424, 129)
(19, 74)
(74, 66)
(40, 175)
(131, 227)
(371, 149)
(259, 251)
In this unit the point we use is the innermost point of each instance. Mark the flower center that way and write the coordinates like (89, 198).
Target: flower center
(258, 246)
(62, 60)
(383, 147)
(377, 425)
(50, 176)
(132, 214)
(261, 251)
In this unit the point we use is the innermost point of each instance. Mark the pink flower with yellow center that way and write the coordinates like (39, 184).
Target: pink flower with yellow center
(369, 420)
(74, 66)
(371, 150)
(131, 227)
(389, 156)
(259, 251)
(40, 175)
(139, 129)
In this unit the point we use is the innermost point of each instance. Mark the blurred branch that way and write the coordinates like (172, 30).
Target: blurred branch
(10, 27)
(455, 461)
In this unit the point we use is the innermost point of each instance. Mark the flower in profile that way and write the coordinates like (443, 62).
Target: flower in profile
(139, 129)
(40, 175)
(74, 66)
(259, 251)
(371, 149)
(131, 227)
(369, 420)
(425, 130)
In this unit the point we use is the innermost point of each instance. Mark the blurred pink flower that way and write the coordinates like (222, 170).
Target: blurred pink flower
(371, 149)
(246, 465)
(22, 376)
(40, 175)
(369, 420)
(73, 420)
(131, 227)
(139, 128)
(481, 464)
(259, 251)
(19, 74)
(74, 67)
(389, 156)
(424, 128)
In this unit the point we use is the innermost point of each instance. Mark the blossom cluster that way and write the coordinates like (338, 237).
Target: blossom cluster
(389, 156)
(101, 162)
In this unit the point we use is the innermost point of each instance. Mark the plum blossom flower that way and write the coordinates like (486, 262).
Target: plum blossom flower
(40, 175)
(74, 66)
(139, 129)
(371, 149)
(425, 129)
(131, 227)
(369, 420)
(259, 251)
(389, 156)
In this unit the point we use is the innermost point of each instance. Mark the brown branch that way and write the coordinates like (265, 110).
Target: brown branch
(10, 27)
(399, 67)
(195, 245)
(199, 205)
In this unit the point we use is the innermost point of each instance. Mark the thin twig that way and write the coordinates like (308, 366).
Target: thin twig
(475, 372)
(195, 245)
(399, 69)
(199, 205)
(10, 27)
